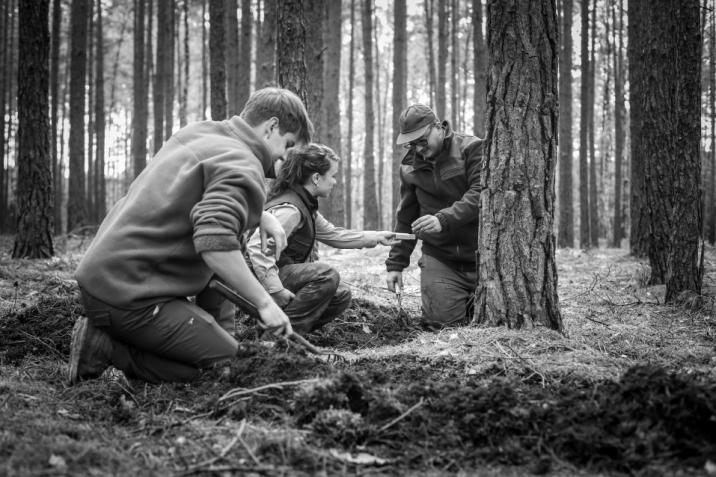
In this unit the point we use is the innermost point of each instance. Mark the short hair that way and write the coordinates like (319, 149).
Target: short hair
(286, 106)
(301, 162)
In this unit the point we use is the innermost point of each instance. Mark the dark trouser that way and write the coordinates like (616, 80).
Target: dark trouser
(319, 295)
(167, 341)
(446, 293)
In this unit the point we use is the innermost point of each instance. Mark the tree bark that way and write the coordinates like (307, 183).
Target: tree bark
(668, 96)
(204, 65)
(54, 93)
(76, 203)
(139, 93)
(266, 48)
(314, 12)
(454, 61)
(217, 47)
(619, 133)
(400, 100)
(4, 62)
(34, 178)
(99, 191)
(583, 149)
(233, 58)
(480, 63)
(431, 49)
(291, 48)
(710, 209)
(244, 85)
(565, 234)
(349, 146)
(517, 282)
(440, 95)
(184, 98)
(370, 204)
(593, 191)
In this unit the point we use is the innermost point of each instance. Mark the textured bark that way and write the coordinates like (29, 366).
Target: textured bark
(184, 98)
(669, 57)
(517, 282)
(314, 15)
(204, 63)
(291, 48)
(400, 100)
(99, 190)
(4, 76)
(334, 207)
(244, 85)
(454, 61)
(54, 93)
(370, 197)
(710, 226)
(619, 128)
(480, 63)
(217, 67)
(161, 75)
(583, 148)
(430, 32)
(440, 95)
(169, 93)
(565, 234)
(266, 48)
(233, 54)
(349, 146)
(139, 97)
(76, 203)
(593, 190)
(34, 178)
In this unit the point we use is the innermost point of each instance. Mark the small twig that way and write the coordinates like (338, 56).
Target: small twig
(597, 321)
(402, 416)
(240, 392)
(39, 340)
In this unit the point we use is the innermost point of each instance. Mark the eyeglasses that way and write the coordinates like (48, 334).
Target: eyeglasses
(421, 142)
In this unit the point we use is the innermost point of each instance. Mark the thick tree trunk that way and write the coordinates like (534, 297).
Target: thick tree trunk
(480, 66)
(400, 100)
(291, 48)
(565, 235)
(139, 96)
(34, 178)
(710, 234)
(266, 48)
(314, 15)
(669, 99)
(517, 282)
(370, 204)
(76, 203)
(333, 208)
(217, 49)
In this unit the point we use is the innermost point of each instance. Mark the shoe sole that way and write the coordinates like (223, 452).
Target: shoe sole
(79, 333)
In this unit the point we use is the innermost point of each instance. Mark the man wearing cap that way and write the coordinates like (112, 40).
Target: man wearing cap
(440, 204)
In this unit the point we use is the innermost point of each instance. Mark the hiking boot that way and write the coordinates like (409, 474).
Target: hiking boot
(90, 353)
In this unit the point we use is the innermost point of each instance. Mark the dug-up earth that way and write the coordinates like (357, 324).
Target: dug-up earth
(628, 389)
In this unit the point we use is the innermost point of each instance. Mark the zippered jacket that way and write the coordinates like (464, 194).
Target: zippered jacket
(449, 188)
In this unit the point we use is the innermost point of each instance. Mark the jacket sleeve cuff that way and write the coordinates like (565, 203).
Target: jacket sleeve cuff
(443, 220)
(215, 241)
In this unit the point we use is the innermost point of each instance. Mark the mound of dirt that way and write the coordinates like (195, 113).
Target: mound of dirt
(44, 329)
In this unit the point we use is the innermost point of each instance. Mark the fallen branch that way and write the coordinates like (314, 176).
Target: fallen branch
(402, 416)
(241, 392)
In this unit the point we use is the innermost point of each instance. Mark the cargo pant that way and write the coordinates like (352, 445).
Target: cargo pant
(447, 294)
(166, 341)
(320, 297)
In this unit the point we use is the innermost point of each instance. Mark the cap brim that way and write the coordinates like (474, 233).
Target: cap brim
(404, 138)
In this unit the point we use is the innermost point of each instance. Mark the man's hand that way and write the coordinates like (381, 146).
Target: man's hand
(385, 237)
(273, 318)
(426, 223)
(273, 236)
(283, 297)
(394, 279)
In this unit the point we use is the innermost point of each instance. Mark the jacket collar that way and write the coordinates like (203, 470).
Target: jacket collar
(258, 147)
(310, 201)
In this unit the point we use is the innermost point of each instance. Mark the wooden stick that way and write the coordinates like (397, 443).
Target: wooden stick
(402, 416)
(240, 392)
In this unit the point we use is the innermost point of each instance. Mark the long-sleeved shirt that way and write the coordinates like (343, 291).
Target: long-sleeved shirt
(289, 216)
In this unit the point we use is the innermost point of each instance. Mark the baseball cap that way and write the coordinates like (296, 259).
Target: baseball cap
(413, 122)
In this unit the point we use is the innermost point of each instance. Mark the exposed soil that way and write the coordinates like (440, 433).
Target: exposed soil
(409, 403)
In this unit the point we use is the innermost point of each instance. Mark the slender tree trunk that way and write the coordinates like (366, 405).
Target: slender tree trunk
(440, 95)
(266, 48)
(100, 192)
(244, 85)
(454, 61)
(711, 182)
(34, 178)
(314, 12)
(169, 70)
(89, 166)
(204, 65)
(400, 100)
(431, 50)
(380, 124)
(370, 205)
(160, 75)
(333, 208)
(668, 97)
(139, 93)
(4, 62)
(349, 146)
(565, 234)
(583, 149)
(232, 58)
(217, 48)
(480, 63)
(593, 195)
(54, 92)
(184, 99)
(517, 282)
(76, 203)
(619, 133)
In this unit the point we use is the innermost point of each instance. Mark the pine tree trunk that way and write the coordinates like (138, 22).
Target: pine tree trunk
(454, 61)
(583, 149)
(517, 282)
(314, 15)
(370, 204)
(593, 190)
(244, 84)
(480, 66)
(76, 211)
(668, 98)
(139, 93)
(333, 208)
(160, 75)
(89, 166)
(169, 92)
(400, 100)
(100, 192)
(5, 73)
(565, 233)
(54, 92)
(380, 124)
(440, 96)
(349, 146)
(710, 192)
(204, 65)
(232, 58)
(184, 94)
(266, 48)
(217, 48)
(429, 27)
(619, 133)
(34, 178)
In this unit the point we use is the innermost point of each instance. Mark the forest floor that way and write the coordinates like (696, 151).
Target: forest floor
(629, 389)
